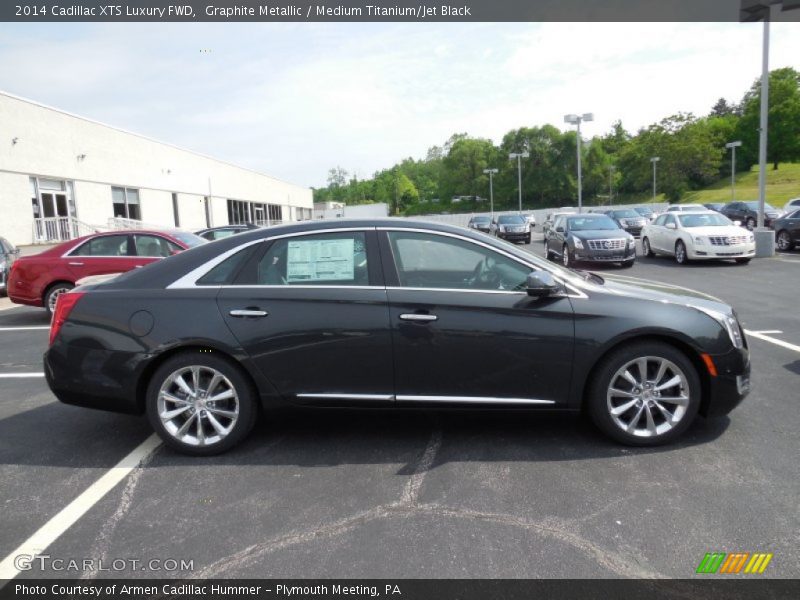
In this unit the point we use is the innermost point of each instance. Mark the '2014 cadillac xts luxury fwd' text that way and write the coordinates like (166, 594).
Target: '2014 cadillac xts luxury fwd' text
(389, 313)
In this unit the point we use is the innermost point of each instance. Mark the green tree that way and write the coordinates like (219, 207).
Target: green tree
(783, 132)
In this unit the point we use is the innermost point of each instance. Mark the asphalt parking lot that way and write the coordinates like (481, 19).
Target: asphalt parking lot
(423, 494)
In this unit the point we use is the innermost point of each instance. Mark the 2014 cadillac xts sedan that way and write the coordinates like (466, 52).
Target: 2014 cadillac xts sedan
(389, 314)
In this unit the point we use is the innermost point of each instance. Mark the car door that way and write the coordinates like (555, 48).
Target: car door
(464, 329)
(310, 309)
(101, 255)
(669, 234)
(555, 238)
(793, 225)
(656, 232)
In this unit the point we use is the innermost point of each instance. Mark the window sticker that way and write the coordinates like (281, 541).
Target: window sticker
(320, 260)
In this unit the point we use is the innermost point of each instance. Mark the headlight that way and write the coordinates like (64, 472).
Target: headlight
(728, 323)
(631, 242)
(699, 240)
(578, 243)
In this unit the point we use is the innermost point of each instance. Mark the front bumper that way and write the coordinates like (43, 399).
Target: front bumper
(514, 236)
(747, 250)
(731, 385)
(635, 231)
(587, 255)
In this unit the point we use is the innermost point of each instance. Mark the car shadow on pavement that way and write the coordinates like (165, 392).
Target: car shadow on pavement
(793, 367)
(83, 438)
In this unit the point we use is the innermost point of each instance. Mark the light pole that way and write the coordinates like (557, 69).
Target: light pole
(577, 120)
(732, 146)
(519, 156)
(611, 170)
(654, 160)
(491, 172)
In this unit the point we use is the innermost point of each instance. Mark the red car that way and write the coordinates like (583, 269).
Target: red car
(38, 280)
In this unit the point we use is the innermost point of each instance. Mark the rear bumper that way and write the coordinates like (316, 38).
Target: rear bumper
(730, 386)
(94, 378)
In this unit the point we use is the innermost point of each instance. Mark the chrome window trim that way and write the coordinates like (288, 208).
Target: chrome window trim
(189, 281)
(578, 293)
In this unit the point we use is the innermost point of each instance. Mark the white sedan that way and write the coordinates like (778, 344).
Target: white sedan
(699, 235)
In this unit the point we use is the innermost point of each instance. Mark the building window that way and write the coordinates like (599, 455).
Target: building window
(126, 203)
(175, 211)
(275, 213)
(239, 212)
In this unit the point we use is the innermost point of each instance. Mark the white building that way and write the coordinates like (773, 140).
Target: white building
(62, 176)
(338, 210)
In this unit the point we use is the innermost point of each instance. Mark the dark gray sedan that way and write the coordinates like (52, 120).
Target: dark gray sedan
(589, 238)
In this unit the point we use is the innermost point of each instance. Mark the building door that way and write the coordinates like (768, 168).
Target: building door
(258, 215)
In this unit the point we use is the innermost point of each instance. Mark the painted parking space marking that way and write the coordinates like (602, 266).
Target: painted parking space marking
(19, 375)
(27, 328)
(768, 331)
(772, 340)
(64, 519)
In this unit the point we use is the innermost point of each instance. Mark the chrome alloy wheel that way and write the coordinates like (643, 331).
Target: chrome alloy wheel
(198, 405)
(784, 241)
(648, 396)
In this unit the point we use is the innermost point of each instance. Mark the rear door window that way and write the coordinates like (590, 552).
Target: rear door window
(107, 245)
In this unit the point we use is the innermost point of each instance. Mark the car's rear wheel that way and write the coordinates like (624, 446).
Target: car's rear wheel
(680, 253)
(646, 249)
(784, 241)
(200, 404)
(644, 394)
(52, 294)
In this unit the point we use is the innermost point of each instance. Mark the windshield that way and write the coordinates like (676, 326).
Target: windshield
(480, 219)
(644, 211)
(626, 214)
(190, 239)
(591, 224)
(754, 206)
(510, 220)
(704, 220)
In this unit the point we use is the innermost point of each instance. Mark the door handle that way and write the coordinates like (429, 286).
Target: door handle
(248, 312)
(76, 264)
(418, 317)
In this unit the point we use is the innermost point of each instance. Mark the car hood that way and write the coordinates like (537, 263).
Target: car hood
(600, 234)
(662, 292)
(718, 231)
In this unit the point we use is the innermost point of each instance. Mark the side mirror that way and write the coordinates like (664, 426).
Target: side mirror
(737, 223)
(541, 284)
(560, 229)
(670, 226)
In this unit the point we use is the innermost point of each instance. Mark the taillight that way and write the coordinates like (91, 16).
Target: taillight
(64, 305)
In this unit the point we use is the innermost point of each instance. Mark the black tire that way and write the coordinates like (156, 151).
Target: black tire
(784, 241)
(566, 259)
(750, 223)
(681, 257)
(597, 402)
(742, 261)
(247, 406)
(646, 249)
(528, 240)
(52, 294)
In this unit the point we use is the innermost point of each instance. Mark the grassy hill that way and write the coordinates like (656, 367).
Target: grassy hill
(782, 186)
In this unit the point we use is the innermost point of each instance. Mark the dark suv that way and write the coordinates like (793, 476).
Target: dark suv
(747, 213)
(630, 220)
(514, 228)
(590, 238)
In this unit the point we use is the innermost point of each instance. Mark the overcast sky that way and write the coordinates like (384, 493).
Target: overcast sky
(293, 100)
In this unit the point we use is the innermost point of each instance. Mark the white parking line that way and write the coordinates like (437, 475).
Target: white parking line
(63, 520)
(19, 375)
(28, 328)
(772, 340)
(768, 331)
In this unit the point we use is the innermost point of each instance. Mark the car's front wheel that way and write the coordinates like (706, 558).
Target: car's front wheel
(750, 223)
(646, 249)
(681, 257)
(566, 260)
(784, 241)
(200, 403)
(644, 394)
